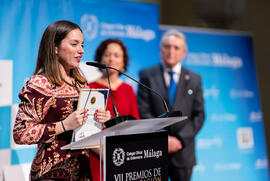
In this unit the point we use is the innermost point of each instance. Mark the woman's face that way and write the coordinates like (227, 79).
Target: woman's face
(70, 50)
(113, 56)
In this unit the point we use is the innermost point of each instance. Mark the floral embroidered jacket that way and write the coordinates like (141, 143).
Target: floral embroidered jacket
(42, 105)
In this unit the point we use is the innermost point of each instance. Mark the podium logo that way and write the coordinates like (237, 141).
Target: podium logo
(118, 156)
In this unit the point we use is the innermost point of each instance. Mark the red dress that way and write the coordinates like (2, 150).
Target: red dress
(126, 103)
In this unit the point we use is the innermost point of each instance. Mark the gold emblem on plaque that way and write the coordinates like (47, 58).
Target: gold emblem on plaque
(93, 100)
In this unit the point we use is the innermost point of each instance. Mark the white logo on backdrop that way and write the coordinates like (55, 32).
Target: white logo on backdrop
(137, 32)
(227, 166)
(211, 92)
(234, 93)
(224, 60)
(90, 26)
(214, 60)
(228, 117)
(118, 156)
(245, 138)
(255, 116)
(261, 163)
(199, 168)
(206, 143)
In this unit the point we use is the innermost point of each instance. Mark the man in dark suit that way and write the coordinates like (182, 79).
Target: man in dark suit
(182, 90)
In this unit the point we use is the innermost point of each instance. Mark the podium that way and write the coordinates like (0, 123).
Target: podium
(130, 144)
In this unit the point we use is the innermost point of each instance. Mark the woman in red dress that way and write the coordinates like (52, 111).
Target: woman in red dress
(46, 115)
(113, 53)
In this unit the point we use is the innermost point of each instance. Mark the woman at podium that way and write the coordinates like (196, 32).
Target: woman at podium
(46, 115)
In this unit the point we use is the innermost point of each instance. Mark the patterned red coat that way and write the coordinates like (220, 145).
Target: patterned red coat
(42, 105)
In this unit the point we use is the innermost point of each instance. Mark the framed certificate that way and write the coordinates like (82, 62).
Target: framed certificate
(90, 99)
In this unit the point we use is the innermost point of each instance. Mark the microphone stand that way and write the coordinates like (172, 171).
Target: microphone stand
(117, 119)
(164, 115)
(109, 82)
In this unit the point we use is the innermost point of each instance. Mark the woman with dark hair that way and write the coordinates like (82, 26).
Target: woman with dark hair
(46, 114)
(113, 52)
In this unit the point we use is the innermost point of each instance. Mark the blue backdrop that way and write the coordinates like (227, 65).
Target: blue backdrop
(231, 144)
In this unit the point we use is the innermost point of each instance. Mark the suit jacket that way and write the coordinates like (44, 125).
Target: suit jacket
(188, 99)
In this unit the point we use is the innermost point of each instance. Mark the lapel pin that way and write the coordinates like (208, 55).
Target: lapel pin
(190, 91)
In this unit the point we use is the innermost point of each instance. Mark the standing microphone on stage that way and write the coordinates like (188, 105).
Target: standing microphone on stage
(109, 82)
(166, 114)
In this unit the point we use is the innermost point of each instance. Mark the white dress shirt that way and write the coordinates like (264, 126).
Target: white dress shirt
(177, 71)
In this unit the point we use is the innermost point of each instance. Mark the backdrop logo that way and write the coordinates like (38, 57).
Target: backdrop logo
(200, 168)
(228, 117)
(214, 60)
(126, 31)
(255, 116)
(91, 27)
(245, 138)
(89, 24)
(224, 60)
(234, 93)
(118, 156)
(261, 163)
(211, 92)
(207, 143)
(227, 166)
(138, 32)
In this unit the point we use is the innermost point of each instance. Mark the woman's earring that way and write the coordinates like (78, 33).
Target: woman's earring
(56, 50)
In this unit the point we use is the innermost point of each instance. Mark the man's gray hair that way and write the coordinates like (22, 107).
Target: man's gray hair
(173, 32)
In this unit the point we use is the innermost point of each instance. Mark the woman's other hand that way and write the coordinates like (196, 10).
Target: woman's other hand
(76, 119)
(102, 115)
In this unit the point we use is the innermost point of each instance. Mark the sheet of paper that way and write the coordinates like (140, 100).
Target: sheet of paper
(90, 99)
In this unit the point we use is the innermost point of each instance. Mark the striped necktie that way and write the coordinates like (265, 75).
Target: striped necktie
(172, 87)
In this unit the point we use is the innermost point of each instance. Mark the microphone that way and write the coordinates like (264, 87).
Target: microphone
(166, 114)
(98, 65)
